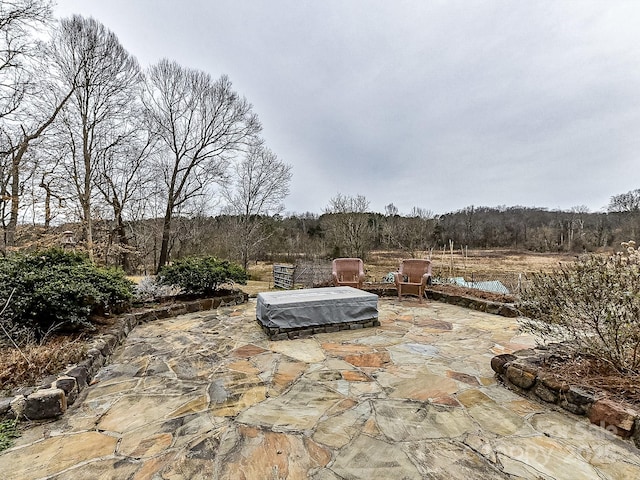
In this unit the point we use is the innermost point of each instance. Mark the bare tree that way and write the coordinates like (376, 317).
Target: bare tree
(29, 128)
(122, 179)
(390, 226)
(18, 21)
(625, 202)
(95, 120)
(200, 124)
(34, 106)
(417, 231)
(51, 183)
(627, 205)
(346, 220)
(258, 185)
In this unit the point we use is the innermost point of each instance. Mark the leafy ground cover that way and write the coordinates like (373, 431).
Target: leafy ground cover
(8, 431)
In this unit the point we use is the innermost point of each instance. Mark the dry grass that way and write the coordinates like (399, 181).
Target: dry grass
(29, 365)
(496, 262)
(261, 271)
(253, 287)
(480, 264)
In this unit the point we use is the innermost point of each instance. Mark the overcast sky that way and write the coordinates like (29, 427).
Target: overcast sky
(420, 103)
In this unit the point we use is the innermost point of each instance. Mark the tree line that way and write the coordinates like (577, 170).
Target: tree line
(346, 228)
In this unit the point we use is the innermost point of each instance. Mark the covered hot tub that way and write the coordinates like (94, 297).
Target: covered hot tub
(295, 313)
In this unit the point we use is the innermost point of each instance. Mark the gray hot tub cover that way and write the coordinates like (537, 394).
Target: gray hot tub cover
(315, 306)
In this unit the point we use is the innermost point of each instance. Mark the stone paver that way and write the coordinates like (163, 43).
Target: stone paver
(207, 396)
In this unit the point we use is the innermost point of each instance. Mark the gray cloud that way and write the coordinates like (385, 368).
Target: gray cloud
(438, 105)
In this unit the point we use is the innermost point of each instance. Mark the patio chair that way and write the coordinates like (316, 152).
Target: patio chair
(412, 277)
(347, 272)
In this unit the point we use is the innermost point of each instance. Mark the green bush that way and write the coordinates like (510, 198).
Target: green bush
(57, 290)
(593, 305)
(201, 275)
(8, 431)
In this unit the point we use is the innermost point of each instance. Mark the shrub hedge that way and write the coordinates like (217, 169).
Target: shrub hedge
(201, 275)
(56, 290)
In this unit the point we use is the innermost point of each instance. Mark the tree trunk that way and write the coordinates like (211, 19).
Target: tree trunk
(88, 226)
(166, 237)
(47, 204)
(15, 189)
(15, 198)
(125, 262)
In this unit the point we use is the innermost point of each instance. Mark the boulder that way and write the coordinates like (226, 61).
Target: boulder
(520, 377)
(5, 405)
(577, 400)
(613, 416)
(45, 403)
(69, 386)
(80, 374)
(498, 362)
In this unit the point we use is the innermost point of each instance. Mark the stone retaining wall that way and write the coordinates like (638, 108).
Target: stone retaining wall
(522, 373)
(52, 397)
(502, 309)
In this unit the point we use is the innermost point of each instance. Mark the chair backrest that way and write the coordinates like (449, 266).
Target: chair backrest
(347, 266)
(415, 268)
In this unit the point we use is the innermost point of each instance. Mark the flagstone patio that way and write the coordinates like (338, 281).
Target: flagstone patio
(207, 395)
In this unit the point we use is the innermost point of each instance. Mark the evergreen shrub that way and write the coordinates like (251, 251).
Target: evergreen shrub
(57, 290)
(201, 275)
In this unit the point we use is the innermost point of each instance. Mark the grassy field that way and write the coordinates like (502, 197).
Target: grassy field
(508, 266)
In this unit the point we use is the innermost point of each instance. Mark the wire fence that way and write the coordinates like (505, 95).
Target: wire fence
(312, 273)
(506, 283)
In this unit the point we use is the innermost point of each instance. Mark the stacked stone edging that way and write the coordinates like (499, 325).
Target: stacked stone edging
(522, 372)
(495, 308)
(53, 396)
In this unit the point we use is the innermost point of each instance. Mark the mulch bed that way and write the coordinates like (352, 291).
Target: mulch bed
(594, 374)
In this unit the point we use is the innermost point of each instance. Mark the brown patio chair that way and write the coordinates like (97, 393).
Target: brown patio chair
(412, 277)
(347, 272)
